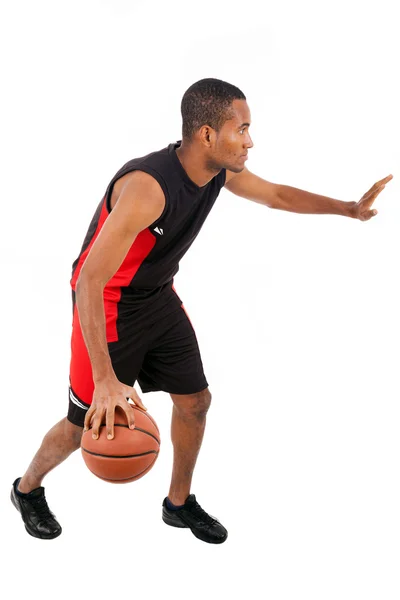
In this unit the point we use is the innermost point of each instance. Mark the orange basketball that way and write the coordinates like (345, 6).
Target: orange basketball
(130, 455)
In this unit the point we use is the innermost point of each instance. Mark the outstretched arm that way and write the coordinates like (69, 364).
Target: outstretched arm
(284, 197)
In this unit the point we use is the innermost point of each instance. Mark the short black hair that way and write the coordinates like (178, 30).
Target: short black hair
(207, 102)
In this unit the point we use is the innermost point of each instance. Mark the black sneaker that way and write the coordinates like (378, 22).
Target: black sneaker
(38, 518)
(191, 515)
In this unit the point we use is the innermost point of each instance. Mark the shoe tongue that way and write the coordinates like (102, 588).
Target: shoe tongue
(191, 499)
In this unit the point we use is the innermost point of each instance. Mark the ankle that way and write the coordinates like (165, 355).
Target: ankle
(26, 485)
(178, 499)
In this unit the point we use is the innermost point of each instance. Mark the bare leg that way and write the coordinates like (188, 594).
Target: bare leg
(57, 445)
(187, 430)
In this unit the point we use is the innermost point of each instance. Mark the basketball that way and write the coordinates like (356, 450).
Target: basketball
(127, 457)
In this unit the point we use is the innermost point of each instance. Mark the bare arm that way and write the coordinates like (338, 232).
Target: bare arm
(140, 203)
(294, 200)
(288, 198)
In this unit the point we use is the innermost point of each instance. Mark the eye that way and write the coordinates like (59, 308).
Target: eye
(242, 130)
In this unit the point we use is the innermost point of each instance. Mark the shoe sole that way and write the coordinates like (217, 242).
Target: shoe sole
(180, 524)
(39, 537)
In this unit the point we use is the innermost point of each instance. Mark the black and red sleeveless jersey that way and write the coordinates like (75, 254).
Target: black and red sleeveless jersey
(153, 259)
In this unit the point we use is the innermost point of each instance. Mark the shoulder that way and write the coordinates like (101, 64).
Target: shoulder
(138, 181)
(139, 185)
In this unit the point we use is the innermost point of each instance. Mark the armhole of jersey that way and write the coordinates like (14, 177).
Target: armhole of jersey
(149, 171)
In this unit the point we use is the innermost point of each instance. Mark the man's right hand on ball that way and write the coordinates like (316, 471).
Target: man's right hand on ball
(108, 394)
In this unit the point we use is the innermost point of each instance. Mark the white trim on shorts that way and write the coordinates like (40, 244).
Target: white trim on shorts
(75, 400)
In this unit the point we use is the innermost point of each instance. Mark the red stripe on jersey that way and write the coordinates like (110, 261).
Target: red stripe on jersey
(137, 253)
(82, 258)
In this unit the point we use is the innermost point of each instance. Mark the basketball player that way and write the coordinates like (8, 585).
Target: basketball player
(129, 322)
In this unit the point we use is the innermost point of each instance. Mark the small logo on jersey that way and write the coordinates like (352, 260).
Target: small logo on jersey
(160, 231)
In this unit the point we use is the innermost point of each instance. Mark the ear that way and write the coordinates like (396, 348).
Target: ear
(207, 135)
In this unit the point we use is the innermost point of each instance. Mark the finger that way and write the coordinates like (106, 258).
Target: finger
(378, 185)
(110, 421)
(133, 395)
(97, 422)
(130, 415)
(377, 191)
(138, 402)
(384, 180)
(88, 417)
(367, 215)
(369, 198)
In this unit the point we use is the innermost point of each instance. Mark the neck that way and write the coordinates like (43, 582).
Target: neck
(194, 164)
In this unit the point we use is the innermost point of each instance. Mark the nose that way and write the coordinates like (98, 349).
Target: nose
(249, 142)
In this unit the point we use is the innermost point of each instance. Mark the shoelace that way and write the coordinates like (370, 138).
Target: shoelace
(200, 512)
(41, 507)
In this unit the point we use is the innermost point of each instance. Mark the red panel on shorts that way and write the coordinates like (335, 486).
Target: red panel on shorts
(81, 377)
(173, 287)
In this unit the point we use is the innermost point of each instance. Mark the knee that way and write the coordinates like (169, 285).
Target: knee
(193, 406)
(73, 432)
(203, 402)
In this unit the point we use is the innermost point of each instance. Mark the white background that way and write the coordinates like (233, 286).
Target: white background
(296, 315)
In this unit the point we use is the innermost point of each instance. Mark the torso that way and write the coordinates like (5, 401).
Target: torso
(153, 259)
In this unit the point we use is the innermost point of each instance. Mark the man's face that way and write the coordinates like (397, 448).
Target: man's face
(233, 140)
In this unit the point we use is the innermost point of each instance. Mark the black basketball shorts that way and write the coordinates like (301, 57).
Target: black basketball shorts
(156, 345)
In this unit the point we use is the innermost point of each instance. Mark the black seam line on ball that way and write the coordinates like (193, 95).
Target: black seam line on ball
(129, 478)
(118, 455)
(138, 428)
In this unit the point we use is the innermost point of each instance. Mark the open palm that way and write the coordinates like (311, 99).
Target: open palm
(362, 209)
